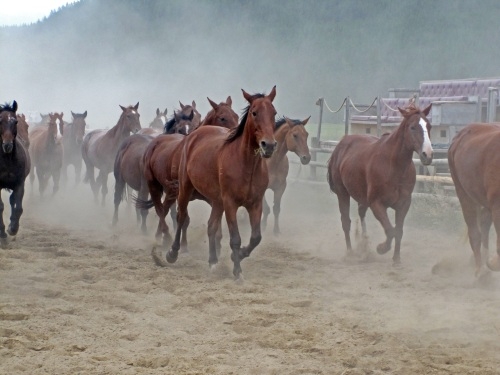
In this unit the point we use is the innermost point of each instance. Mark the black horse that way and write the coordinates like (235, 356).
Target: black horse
(14, 168)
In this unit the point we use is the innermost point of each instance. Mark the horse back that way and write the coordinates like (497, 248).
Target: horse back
(474, 160)
(160, 155)
(128, 162)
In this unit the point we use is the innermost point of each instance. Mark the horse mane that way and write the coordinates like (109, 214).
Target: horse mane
(7, 107)
(238, 131)
(282, 120)
(167, 129)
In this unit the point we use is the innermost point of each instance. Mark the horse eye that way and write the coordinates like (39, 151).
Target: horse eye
(254, 113)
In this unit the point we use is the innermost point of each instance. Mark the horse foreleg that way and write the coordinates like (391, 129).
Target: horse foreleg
(78, 172)
(401, 212)
(16, 204)
(104, 186)
(43, 180)
(3, 235)
(213, 227)
(380, 213)
(278, 194)
(266, 210)
(56, 177)
(230, 210)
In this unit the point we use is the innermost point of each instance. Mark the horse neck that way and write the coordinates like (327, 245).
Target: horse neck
(209, 118)
(401, 153)
(280, 136)
(119, 131)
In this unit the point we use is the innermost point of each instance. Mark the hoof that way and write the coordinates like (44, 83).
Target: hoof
(4, 243)
(212, 267)
(383, 248)
(12, 232)
(494, 264)
(171, 257)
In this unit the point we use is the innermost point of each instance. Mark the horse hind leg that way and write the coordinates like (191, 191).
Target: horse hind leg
(344, 207)
(143, 195)
(278, 194)
(494, 263)
(118, 196)
(213, 228)
(266, 210)
(398, 230)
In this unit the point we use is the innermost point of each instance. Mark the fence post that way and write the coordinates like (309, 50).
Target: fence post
(347, 118)
(315, 140)
(379, 119)
(491, 108)
(320, 102)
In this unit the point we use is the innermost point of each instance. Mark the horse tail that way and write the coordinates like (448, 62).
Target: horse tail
(329, 174)
(142, 204)
(120, 185)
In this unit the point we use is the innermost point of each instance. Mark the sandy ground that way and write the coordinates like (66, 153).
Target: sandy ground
(79, 297)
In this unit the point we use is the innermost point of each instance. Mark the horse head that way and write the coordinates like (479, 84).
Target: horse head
(296, 139)
(416, 124)
(130, 118)
(22, 130)
(160, 120)
(221, 114)
(52, 126)
(185, 109)
(260, 119)
(78, 126)
(8, 126)
(60, 125)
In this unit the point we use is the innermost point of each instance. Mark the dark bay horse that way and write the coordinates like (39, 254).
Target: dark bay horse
(474, 161)
(228, 168)
(46, 152)
(72, 140)
(14, 168)
(23, 130)
(162, 158)
(99, 149)
(185, 108)
(379, 173)
(182, 121)
(291, 135)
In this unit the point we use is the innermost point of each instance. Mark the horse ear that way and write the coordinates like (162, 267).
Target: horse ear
(165, 112)
(157, 111)
(247, 96)
(62, 114)
(136, 107)
(272, 94)
(427, 110)
(229, 101)
(84, 114)
(403, 112)
(212, 103)
(193, 104)
(72, 114)
(123, 108)
(289, 122)
(182, 105)
(14, 106)
(305, 121)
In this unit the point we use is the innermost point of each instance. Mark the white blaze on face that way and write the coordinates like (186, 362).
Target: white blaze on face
(426, 147)
(187, 129)
(58, 127)
(163, 120)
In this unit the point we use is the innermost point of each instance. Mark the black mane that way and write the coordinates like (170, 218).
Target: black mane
(238, 131)
(169, 127)
(7, 107)
(282, 120)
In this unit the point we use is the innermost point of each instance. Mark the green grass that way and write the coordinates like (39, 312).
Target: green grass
(329, 131)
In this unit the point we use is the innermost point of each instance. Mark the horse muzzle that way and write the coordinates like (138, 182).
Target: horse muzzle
(426, 158)
(267, 148)
(7, 147)
(305, 159)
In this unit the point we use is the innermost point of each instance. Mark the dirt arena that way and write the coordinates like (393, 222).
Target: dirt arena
(79, 297)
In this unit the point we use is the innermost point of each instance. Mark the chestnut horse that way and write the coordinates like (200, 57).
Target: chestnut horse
(46, 151)
(14, 168)
(161, 161)
(23, 130)
(72, 140)
(291, 135)
(474, 160)
(100, 147)
(228, 168)
(379, 173)
(129, 163)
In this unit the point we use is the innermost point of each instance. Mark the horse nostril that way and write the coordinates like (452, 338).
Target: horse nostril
(263, 144)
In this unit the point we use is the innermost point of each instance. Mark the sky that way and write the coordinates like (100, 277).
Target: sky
(19, 12)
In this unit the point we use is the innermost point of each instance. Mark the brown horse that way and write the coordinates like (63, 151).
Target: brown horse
(46, 152)
(182, 122)
(379, 173)
(100, 147)
(291, 135)
(14, 168)
(72, 140)
(228, 169)
(23, 130)
(474, 159)
(221, 114)
(161, 161)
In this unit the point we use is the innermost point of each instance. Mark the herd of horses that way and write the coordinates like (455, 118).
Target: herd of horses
(230, 161)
